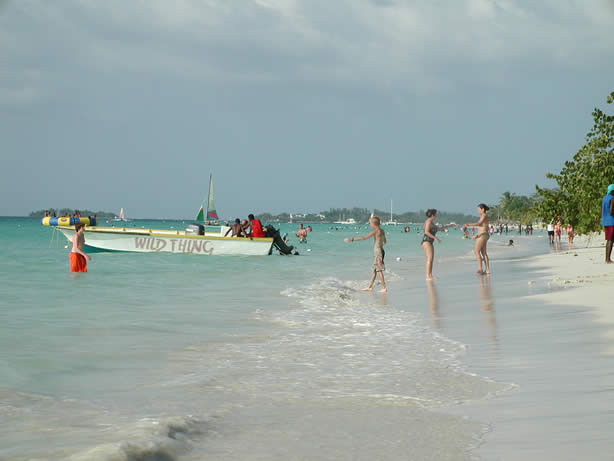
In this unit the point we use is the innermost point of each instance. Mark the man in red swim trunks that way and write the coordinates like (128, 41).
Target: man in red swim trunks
(78, 259)
(607, 221)
(256, 226)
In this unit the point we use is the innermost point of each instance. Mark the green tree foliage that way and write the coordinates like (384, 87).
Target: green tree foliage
(583, 181)
(516, 208)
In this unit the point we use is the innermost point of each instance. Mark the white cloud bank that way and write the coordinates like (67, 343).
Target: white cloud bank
(416, 45)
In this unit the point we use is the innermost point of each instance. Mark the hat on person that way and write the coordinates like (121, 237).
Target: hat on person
(610, 188)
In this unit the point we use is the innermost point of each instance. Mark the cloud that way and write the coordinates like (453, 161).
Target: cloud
(406, 44)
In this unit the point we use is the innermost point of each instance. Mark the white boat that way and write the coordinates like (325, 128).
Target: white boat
(391, 222)
(350, 221)
(196, 239)
(121, 217)
(170, 241)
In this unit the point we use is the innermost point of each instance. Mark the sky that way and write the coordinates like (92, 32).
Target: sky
(293, 105)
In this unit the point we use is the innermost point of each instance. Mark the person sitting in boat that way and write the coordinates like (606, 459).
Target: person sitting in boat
(245, 226)
(256, 227)
(236, 229)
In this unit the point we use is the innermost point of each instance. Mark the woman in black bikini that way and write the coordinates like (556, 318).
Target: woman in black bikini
(481, 239)
(430, 229)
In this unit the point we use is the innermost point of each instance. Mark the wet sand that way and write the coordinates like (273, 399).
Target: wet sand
(546, 325)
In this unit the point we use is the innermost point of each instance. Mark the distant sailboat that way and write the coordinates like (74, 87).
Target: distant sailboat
(391, 222)
(121, 217)
(211, 211)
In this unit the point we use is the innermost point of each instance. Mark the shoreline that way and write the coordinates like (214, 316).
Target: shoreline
(586, 280)
(556, 344)
(355, 375)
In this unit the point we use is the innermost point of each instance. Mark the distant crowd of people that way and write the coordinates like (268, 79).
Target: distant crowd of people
(252, 228)
(428, 240)
(76, 214)
(555, 230)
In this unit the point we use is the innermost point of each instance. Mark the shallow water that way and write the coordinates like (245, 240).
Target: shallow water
(154, 356)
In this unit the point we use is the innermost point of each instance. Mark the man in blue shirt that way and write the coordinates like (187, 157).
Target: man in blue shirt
(607, 221)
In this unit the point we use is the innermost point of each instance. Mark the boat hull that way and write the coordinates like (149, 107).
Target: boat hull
(163, 241)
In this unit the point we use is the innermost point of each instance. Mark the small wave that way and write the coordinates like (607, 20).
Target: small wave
(149, 440)
(338, 335)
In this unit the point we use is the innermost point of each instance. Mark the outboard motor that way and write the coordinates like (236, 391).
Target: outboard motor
(278, 242)
(195, 229)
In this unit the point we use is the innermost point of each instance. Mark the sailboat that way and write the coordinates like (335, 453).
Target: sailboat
(391, 222)
(121, 217)
(211, 211)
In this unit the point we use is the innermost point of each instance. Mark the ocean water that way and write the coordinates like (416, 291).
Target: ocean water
(172, 357)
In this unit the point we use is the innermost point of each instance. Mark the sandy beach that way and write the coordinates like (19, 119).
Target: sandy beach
(586, 280)
(554, 340)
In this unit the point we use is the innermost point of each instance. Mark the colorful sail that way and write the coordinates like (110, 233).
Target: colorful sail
(211, 211)
(201, 215)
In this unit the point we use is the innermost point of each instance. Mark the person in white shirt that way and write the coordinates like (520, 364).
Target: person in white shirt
(550, 230)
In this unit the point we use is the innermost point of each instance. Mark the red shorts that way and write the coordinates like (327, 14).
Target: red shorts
(77, 262)
(609, 233)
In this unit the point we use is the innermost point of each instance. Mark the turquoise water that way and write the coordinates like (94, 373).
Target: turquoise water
(179, 356)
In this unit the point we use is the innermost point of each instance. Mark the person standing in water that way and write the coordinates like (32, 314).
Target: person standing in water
(78, 259)
(558, 230)
(302, 234)
(379, 240)
(481, 239)
(429, 238)
(550, 230)
(607, 221)
(570, 234)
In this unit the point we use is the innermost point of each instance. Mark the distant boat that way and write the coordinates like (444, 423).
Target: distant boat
(211, 211)
(348, 222)
(391, 222)
(121, 217)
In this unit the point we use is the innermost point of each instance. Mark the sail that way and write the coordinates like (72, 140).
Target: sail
(201, 215)
(211, 211)
(121, 214)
